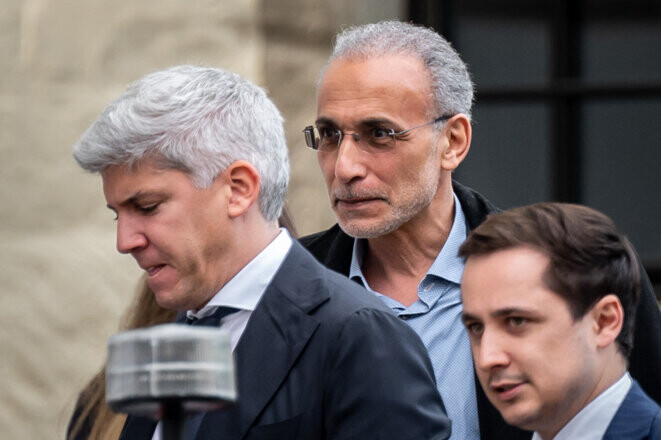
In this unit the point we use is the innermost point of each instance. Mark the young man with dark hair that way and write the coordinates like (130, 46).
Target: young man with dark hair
(550, 293)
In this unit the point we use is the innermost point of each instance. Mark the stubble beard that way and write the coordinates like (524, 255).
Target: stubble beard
(414, 199)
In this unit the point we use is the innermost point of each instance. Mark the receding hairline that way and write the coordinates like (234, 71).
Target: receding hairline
(396, 57)
(366, 56)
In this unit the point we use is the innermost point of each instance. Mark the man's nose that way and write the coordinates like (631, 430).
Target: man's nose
(349, 164)
(492, 352)
(129, 236)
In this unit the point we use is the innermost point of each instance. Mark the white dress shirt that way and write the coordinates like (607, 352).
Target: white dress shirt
(244, 291)
(246, 288)
(592, 421)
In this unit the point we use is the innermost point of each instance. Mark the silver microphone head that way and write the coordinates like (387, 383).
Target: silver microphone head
(150, 368)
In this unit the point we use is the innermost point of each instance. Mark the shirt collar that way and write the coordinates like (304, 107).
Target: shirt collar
(246, 288)
(592, 421)
(447, 265)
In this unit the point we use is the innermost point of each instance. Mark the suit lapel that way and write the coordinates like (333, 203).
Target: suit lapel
(633, 420)
(276, 334)
(138, 428)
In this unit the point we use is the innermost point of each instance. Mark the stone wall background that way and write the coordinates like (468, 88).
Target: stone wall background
(63, 287)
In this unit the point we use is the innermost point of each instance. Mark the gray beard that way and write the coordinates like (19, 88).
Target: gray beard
(399, 215)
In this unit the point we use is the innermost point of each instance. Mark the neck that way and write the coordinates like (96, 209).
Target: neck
(395, 263)
(248, 237)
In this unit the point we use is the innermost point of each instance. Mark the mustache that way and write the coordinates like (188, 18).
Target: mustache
(349, 193)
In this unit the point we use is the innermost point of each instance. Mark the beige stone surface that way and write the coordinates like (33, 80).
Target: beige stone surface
(63, 286)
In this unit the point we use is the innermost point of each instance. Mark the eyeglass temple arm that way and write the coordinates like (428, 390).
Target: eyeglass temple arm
(439, 119)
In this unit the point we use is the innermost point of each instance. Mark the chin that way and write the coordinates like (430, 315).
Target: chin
(371, 229)
(168, 300)
(521, 418)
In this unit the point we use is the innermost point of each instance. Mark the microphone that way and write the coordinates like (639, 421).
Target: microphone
(169, 372)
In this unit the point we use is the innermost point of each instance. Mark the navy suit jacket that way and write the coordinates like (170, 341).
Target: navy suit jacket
(638, 418)
(334, 249)
(321, 358)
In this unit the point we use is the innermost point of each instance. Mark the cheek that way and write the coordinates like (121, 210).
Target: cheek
(482, 373)
(326, 163)
(403, 169)
(554, 360)
(185, 240)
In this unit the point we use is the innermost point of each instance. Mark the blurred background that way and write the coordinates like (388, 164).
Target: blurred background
(568, 108)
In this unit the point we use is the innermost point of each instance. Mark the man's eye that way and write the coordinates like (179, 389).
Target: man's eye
(516, 321)
(327, 132)
(148, 209)
(380, 133)
(475, 328)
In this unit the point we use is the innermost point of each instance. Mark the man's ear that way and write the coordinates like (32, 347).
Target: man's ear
(244, 183)
(608, 316)
(457, 133)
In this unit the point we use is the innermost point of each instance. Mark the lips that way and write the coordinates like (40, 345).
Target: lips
(350, 196)
(354, 202)
(506, 390)
(151, 267)
(153, 270)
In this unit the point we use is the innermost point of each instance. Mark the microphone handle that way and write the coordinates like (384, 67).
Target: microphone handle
(173, 421)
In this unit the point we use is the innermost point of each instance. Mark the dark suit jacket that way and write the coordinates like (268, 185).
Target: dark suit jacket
(334, 248)
(638, 418)
(321, 358)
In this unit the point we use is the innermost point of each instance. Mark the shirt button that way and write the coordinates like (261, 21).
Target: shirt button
(428, 287)
(404, 317)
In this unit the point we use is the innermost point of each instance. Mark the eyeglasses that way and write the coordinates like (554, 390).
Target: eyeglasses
(371, 139)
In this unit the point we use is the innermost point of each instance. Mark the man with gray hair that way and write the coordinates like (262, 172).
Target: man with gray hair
(194, 166)
(393, 122)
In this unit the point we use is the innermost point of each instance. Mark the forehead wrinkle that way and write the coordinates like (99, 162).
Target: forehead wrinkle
(368, 112)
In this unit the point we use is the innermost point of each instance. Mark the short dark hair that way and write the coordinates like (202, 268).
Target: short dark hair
(589, 258)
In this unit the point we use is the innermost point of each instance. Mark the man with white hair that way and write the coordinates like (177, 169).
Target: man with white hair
(393, 123)
(194, 166)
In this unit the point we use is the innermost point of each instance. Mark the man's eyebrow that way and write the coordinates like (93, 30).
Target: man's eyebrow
(508, 311)
(367, 121)
(468, 317)
(324, 120)
(376, 121)
(511, 311)
(133, 199)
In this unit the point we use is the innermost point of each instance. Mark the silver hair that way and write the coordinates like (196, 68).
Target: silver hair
(452, 87)
(196, 119)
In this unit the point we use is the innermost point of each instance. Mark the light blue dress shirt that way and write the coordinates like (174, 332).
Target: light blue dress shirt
(436, 317)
